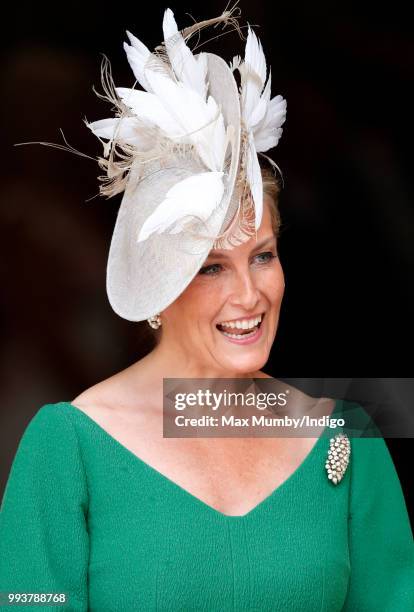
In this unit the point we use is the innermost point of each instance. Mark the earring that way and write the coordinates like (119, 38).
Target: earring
(155, 321)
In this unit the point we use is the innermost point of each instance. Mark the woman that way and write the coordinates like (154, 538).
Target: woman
(104, 513)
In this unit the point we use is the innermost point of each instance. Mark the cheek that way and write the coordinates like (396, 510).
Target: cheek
(204, 297)
(272, 284)
(201, 299)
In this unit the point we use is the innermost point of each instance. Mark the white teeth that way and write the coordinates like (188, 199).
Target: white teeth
(242, 323)
(240, 335)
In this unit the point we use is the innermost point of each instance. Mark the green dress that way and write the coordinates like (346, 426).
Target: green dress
(84, 516)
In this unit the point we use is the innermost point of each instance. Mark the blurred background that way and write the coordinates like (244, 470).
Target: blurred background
(347, 240)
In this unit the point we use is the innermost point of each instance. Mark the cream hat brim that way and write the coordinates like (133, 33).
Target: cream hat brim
(143, 278)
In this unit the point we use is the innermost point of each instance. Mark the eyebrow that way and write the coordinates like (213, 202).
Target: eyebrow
(259, 245)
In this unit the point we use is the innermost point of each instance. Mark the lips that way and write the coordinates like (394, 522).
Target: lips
(237, 333)
(244, 339)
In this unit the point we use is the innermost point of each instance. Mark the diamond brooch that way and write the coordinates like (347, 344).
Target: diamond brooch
(338, 457)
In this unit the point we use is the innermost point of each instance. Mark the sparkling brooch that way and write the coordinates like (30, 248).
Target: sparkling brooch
(338, 457)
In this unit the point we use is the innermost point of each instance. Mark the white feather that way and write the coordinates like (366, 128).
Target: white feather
(126, 129)
(198, 121)
(169, 25)
(190, 70)
(267, 89)
(235, 63)
(262, 115)
(259, 112)
(196, 196)
(254, 56)
(253, 73)
(148, 107)
(254, 176)
(268, 132)
(137, 55)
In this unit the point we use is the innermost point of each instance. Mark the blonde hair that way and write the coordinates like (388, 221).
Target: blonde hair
(271, 188)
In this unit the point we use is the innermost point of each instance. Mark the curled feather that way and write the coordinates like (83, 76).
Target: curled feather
(228, 17)
(275, 167)
(193, 198)
(249, 191)
(242, 226)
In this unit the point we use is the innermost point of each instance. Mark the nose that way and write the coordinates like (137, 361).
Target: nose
(245, 292)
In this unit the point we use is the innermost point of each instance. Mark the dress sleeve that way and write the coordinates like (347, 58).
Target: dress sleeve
(44, 543)
(380, 538)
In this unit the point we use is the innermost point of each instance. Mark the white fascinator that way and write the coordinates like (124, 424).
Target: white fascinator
(184, 150)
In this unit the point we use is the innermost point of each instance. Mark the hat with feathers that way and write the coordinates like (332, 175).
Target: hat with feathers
(184, 152)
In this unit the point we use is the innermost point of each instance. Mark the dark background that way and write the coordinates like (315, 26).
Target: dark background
(347, 243)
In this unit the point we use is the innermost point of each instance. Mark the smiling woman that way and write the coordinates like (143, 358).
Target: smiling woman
(104, 512)
(233, 288)
(212, 267)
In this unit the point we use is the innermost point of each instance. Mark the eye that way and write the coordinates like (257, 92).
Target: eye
(266, 257)
(210, 270)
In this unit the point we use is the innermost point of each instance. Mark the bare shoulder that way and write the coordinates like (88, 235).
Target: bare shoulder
(88, 399)
(96, 401)
(102, 393)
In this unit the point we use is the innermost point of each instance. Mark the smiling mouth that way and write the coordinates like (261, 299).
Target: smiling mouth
(239, 333)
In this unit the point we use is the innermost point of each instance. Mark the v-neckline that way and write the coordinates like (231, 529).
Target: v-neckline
(297, 472)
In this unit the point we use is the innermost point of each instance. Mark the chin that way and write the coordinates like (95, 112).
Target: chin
(246, 364)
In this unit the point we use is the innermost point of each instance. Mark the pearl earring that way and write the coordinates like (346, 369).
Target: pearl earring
(155, 321)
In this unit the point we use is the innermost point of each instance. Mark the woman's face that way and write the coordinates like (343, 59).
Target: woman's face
(231, 291)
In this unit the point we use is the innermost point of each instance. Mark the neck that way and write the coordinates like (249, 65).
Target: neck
(174, 362)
